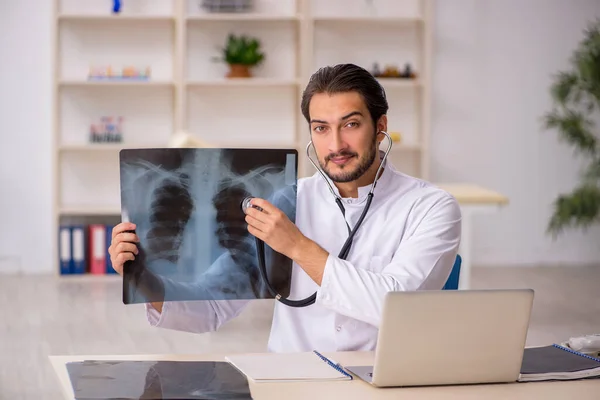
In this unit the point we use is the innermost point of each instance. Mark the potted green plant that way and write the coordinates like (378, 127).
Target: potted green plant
(576, 104)
(241, 53)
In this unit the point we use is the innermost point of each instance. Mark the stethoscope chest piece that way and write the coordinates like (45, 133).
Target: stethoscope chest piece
(247, 203)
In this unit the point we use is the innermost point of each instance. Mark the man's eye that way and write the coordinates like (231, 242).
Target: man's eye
(352, 124)
(319, 128)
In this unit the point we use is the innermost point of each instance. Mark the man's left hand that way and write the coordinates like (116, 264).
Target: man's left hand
(272, 226)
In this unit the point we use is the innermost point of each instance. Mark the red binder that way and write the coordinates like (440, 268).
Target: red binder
(97, 256)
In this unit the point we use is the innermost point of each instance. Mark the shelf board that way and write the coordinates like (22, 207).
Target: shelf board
(369, 19)
(114, 18)
(98, 147)
(115, 83)
(223, 17)
(254, 145)
(91, 147)
(89, 211)
(399, 83)
(110, 147)
(89, 277)
(242, 82)
(386, 82)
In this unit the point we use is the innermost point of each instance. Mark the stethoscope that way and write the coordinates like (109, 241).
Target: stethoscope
(260, 245)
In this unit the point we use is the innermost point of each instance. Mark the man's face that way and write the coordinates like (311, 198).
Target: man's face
(343, 134)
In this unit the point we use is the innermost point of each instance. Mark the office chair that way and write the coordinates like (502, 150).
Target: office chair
(452, 282)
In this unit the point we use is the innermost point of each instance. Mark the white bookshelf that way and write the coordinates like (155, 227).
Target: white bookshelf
(188, 90)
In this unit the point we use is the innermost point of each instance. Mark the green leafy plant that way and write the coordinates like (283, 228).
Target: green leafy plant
(242, 50)
(576, 102)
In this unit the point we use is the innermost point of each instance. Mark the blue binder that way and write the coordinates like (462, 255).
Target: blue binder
(78, 249)
(64, 250)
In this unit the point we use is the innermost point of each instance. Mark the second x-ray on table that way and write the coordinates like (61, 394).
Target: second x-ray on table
(194, 243)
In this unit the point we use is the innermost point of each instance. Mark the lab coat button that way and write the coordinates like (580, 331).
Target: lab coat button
(338, 328)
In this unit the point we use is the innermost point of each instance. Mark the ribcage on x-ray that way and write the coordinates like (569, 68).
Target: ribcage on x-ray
(232, 232)
(187, 208)
(171, 209)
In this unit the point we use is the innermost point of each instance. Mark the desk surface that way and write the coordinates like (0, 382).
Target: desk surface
(472, 194)
(358, 389)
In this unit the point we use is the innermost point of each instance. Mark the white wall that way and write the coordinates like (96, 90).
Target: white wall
(492, 69)
(494, 61)
(26, 238)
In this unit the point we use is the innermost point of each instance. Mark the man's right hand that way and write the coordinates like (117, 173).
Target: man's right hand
(123, 248)
(123, 245)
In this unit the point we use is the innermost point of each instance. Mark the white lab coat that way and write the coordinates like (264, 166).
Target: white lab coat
(408, 241)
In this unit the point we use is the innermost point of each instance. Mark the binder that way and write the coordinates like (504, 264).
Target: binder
(557, 362)
(97, 249)
(78, 257)
(64, 250)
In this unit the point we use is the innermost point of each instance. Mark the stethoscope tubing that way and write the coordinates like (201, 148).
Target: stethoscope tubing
(345, 250)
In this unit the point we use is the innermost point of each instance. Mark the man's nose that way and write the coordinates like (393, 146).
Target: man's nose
(336, 143)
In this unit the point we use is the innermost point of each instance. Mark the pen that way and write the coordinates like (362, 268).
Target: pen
(333, 362)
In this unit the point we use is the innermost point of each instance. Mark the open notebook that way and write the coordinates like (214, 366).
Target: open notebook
(288, 367)
(556, 362)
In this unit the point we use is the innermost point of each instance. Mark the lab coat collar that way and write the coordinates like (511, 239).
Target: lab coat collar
(363, 191)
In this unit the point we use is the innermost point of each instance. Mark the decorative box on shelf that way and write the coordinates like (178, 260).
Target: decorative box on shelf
(108, 130)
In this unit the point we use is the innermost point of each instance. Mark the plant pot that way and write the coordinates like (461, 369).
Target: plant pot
(239, 71)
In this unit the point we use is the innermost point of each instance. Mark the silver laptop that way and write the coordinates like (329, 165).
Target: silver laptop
(450, 337)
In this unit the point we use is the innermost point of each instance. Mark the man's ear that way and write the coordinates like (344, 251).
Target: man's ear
(381, 126)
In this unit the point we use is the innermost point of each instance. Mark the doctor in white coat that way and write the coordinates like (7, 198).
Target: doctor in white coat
(408, 240)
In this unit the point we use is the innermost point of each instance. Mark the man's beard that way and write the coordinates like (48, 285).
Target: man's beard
(365, 163)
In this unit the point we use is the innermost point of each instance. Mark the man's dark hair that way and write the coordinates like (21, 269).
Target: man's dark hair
(343, 78)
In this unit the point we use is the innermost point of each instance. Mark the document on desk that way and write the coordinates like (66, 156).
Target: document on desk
(288, 367)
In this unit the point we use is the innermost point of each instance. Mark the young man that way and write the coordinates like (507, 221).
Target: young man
(408, 241)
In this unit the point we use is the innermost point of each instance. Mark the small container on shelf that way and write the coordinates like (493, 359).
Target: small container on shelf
(392, 71)
(116, 8)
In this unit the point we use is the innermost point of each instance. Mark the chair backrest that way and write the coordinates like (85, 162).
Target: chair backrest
(452, 282)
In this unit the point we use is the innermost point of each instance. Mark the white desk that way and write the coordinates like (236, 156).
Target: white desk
(360, 390)
(473, 200)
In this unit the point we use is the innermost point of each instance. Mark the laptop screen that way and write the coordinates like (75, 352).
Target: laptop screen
(194, 243)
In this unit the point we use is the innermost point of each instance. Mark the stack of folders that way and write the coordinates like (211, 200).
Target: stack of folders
(288, 367)
(84, 249)
(557, 362)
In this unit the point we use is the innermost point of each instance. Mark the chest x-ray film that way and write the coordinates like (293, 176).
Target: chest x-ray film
(153, 380)
(187, 208)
